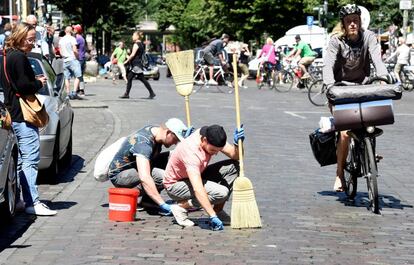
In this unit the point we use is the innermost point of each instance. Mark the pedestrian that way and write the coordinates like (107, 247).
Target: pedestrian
(348, 56)
(81, 46)
(120, 54)
(136, 66)
(40, 46)
(140, 163)
(5, 34)
(403, 57)
(17, 77)
(213, 49)
(69, 51)
(243, 64)
(191, 182)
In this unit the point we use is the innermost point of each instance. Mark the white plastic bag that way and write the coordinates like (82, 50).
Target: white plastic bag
(104, 159)
(326, 124)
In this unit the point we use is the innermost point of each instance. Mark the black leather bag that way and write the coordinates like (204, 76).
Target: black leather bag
(323, 147)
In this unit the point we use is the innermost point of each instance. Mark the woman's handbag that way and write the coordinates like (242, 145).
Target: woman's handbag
(5, 118)
(34, 112)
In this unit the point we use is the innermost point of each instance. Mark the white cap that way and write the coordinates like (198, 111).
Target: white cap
(177, 127)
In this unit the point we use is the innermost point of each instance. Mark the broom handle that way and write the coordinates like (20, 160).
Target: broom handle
(187, 110)
(238, 123)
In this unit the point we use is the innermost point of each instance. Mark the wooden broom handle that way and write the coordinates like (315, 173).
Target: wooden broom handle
(238, 123)
(187, 110)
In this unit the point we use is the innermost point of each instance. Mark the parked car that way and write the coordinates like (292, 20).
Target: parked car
(152, 71)
(8, 169)
(56, 137)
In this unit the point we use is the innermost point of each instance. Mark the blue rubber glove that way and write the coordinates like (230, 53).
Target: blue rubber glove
(189, 131)
(238, 134)
(216, 224)
(165, 209)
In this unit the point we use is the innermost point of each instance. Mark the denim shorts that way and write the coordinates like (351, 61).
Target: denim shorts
(72, 68)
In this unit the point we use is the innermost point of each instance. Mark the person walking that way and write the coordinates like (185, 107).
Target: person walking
(5, 34)
(17, 78)
(120, 54)
(191, 182)
(243, 64)
(69, 52)
(136, 65)
(81, 46)
(40, 46)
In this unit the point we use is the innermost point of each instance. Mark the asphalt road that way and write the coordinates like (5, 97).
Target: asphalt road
(304, 222)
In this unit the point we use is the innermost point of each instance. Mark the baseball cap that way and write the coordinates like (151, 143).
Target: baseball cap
(177, 127)
(77, 27)
(215, 135)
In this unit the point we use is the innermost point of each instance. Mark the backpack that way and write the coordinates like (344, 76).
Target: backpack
(144, 57)
(104, 159)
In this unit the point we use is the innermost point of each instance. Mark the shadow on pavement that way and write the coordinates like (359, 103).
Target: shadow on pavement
(361, 200)
(10, 232)
(66, 174)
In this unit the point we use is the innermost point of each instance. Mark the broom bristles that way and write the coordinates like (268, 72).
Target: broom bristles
(244, 210)
(181, 65)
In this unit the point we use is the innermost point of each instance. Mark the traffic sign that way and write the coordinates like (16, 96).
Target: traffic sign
(405, 4)
(309, 21)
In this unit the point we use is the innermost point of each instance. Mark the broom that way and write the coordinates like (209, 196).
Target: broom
(181, 65)
(244, 210)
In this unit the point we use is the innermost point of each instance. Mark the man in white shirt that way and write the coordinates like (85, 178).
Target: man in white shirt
(40, 46)
(403, 53)
(69, 53)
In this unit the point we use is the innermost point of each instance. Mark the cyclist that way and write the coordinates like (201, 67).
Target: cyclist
(403, 57)
(268, 56)
(216, 47)
(306, 54)
(348, 59)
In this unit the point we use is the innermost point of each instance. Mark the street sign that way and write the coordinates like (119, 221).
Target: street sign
(309, 21)
(405, 4)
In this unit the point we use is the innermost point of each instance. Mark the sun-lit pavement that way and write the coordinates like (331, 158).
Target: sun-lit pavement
(304, 222)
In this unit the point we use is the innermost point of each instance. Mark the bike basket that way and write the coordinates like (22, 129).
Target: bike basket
(323, 147)
(362, 93)
(358, 115)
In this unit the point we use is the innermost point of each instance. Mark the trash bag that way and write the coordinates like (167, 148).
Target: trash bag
(323, 147)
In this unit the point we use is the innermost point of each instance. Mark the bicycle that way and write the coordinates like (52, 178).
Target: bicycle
(317, 93)
(223, 78)
(292, 74)
(361, 160)
(266, 76)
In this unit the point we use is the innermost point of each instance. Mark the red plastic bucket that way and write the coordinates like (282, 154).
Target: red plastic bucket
(122, 204)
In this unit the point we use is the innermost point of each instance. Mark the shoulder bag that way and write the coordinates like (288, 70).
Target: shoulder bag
(34, 112)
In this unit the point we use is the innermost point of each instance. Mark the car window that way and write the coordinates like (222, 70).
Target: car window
(37, 69)
(50, 73)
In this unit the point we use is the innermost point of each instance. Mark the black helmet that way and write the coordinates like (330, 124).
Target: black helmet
(349, 9)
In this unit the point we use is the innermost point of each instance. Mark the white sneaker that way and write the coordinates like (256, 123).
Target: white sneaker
(40, 209)
(212, 82)
(224, 217)
(199, 82)
(181, 215)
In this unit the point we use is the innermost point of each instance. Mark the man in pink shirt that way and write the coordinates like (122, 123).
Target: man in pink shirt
(190, 181)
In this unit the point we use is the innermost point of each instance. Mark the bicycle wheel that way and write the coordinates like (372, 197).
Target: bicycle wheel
(352, 171)
(316, 93)
(225, 82)
(371, 174)
(286, 82)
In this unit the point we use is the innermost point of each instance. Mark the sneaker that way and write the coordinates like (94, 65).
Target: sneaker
(240, 84)
(305, 76)
(81, 93)
(199, 82)
(124, 96)
(224, 217)
(181, 215)
(40, 209)
(212, 82)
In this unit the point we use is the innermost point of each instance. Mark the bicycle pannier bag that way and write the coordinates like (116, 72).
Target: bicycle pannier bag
(323, 147)
(358, 115)
(362, 93)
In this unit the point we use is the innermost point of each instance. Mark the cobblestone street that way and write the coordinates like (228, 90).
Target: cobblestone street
(304, 221)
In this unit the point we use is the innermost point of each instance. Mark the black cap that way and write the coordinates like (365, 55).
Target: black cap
(297, 37)
(215, 135)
